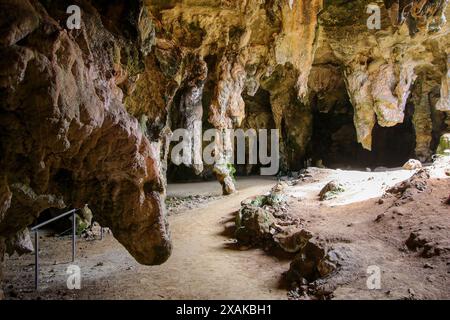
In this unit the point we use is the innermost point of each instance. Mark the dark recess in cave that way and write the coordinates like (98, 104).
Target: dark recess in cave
(334, 142)
(59, 226)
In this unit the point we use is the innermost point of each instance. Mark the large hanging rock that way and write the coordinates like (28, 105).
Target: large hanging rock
(20, 243)
(358, 87)
(296, 42)
(381, 66)
(412, 164)
(66, 136)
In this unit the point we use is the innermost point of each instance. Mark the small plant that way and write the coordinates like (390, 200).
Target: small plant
(231, 170)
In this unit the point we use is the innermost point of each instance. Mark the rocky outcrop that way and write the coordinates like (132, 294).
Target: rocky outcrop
(412, 164)
(265, 221)
(66, 137)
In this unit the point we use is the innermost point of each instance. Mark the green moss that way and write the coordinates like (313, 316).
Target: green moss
(231, 170)
(333, 194)
(259, 201)
(81, 225)
(444, 145)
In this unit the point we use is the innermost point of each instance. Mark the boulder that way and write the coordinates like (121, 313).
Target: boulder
(83, 219)
(254, 225)
(412, 164)
(20, 243)
(314, 261)
(294, 240)
(331, 190)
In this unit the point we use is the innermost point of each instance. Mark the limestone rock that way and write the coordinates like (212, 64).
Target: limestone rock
(444, 101)
(376, 85)
(314, 261)
(19, 19)
(87, 114)
(304, 60)
(83, 219)
(20, 243)
(66, 135)
(293, 241)
(412, 164)
(253, 225)
(444, 145)
(331, 190)
(277, 194)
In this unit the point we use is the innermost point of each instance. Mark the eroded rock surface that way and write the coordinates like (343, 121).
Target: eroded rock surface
(66, 137)
(316, 56)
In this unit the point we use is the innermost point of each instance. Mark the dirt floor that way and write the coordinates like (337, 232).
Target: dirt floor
(204, 263)
(208, 264)
(374, 232)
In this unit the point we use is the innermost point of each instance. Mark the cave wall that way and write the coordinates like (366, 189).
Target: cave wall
(66, 136)
(316, 55)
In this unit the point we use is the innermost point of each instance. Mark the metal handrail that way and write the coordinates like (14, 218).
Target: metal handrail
(35, 229)
(53, 219)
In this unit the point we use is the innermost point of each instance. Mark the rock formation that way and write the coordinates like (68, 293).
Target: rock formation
(313, 56)
(66, 137)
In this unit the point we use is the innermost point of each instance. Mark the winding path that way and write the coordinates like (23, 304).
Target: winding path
(205, 264)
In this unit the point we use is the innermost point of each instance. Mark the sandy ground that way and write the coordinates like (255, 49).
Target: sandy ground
(207, 264)
(373, 232)
(358, 185)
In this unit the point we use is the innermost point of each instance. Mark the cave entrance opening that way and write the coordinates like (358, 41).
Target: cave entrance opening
(334, 141)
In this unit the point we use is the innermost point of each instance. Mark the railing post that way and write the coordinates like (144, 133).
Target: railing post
(74, 226)
(35, 229)
(36, 260)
